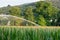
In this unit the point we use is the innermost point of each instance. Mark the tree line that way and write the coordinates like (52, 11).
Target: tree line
(42, 13)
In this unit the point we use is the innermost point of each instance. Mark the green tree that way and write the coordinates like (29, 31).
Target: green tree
(58, 19)
(47, 10)
(29, 15)
(16, 11)
(41, 20)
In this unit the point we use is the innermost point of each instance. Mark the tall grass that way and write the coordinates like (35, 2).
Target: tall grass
(17, 33)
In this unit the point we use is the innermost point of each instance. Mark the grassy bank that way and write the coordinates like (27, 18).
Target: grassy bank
(29, 33)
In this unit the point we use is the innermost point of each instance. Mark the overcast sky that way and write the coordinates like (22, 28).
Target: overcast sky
(14, 2)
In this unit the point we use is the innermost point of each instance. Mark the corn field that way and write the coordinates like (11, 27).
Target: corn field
(29, 33)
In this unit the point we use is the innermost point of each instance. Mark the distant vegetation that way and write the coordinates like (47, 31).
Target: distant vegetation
(56, 3)
(42, 13)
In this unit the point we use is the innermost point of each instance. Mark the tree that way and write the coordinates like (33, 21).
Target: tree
(41, 20)
(15, 11)
(29, 15)
(58, 19)
(47, 10)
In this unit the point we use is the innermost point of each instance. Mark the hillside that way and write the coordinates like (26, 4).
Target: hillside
(56, 3)
(42, 13)
(24, 6)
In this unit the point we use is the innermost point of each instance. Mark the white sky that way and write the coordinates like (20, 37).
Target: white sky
(14, 2)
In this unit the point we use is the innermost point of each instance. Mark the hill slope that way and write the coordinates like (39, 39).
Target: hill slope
(23, 6)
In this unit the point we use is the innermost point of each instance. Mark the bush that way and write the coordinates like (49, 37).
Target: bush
(27, 33)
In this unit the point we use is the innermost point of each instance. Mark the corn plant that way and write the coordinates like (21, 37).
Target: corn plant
(27, 33)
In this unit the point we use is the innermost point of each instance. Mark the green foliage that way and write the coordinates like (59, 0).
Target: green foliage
(17, 33)
(41, 20)
(47, 10)
(40, 12)
(1, 11)
(15, 11)
(55, 2)
(58, 19)
(28, 13)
